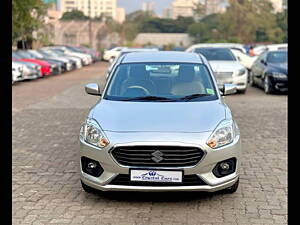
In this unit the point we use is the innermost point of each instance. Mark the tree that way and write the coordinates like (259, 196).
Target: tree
(74, 15)
(27, 16)
(244, 21)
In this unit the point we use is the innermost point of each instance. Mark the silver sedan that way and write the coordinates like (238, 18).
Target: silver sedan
(160, 125)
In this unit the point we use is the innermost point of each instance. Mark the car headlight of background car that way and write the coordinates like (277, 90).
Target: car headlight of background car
(223, 135)
(91, 133)
(241, 72)
(279, 75)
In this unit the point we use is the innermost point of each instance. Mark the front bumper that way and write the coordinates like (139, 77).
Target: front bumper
(240, 81)
(279, 84)
(203, 169)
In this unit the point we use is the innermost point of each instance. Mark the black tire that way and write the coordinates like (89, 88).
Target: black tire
(267, 87)
(88, 189)
(242, 91)
(233, 188)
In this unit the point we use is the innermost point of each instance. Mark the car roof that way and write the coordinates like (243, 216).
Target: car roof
(279, 50)
(162, 56)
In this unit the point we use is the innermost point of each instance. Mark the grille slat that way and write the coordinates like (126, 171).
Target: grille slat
(188, 180)
(172, 156)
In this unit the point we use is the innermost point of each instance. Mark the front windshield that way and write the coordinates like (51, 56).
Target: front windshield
(161, 81)
(277, 57)
(216, 54)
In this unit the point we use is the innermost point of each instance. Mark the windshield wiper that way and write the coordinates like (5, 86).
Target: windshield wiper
(151, 98)
(193, 96)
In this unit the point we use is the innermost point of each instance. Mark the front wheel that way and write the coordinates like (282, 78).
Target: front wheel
(251, 80)
(267, 86)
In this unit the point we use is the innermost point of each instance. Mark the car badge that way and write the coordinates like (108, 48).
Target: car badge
(157, 156)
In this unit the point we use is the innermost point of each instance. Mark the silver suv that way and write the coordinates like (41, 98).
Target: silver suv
(160, 125)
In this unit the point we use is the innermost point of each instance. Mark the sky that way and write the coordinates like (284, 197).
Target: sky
(133, 5)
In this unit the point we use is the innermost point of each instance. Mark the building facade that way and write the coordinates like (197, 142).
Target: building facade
(161, 39)
(183, 8)
(120, 15)
(92, 8)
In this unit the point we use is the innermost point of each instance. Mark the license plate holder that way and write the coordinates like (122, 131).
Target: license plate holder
(160, 176)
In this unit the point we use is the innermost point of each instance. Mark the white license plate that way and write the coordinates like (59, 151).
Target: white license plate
(156, 176)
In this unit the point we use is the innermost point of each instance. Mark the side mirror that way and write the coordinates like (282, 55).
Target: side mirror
(92, 89)
(239, 58)
(228, 89)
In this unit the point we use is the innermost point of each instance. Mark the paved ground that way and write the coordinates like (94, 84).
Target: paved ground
(47, 114)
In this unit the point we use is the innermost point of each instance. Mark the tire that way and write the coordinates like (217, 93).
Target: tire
(267, 88)
(88, 189)
(251, 80)
(242, 91)
(233, 188)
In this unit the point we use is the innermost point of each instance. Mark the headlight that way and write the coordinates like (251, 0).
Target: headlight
(241, 72)
(223, 135)
(278, 75)
(91, 132)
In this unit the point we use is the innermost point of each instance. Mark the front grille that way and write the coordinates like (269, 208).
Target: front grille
(223, 74)
(188, 180)
(157, 156)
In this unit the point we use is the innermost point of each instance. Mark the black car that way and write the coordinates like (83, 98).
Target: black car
(270, 71)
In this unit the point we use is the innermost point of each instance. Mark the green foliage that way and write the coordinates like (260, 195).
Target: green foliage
(74, 15)
(27, 16)
(244, 21)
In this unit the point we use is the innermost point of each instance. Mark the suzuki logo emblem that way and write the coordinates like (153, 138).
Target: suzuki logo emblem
(157, 156)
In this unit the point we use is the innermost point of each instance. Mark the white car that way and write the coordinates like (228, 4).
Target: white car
(17, 72)
(261, 48)
(236, 46)
(111, 54)
(126, 51)
(87, 59)
(226, 67)
(246, 60)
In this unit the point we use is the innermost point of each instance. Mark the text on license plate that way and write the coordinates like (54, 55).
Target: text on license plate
(156, 176)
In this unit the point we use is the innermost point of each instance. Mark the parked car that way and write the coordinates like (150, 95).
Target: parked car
(111, 54)
(34, 70)
(262, 48)
(95, 54)
(86, 59)
(226, 67)
(270, 71)
(17, 72)
(246, 60)
(59, 60)
(160, 125)
(73, 62)
(235, 46)
(126, 51)
(56, 65)
(45, 67)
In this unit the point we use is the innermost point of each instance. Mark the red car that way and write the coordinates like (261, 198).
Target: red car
(45, 67)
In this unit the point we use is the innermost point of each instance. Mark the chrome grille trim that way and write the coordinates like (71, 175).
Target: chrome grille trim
(173, 156)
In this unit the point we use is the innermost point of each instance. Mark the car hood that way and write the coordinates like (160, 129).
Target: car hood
(120, 116)
(279, 67)
(225, 66)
